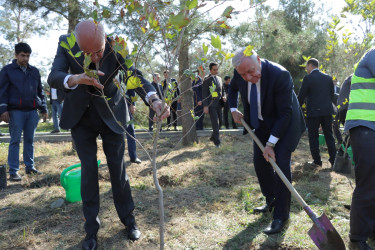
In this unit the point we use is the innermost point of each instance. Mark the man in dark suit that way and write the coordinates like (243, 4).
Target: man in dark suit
(56, 99)
(89, 115)
(318, 90)
(198, 109)
(226, 105)
(211, 101)
(159, 91)
(173, 90)
(272, 109)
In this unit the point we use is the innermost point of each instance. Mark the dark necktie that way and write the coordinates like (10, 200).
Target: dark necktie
(254, 106)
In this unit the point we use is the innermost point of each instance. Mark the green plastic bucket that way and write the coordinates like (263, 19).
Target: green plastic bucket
(322, 139)
(70, 179)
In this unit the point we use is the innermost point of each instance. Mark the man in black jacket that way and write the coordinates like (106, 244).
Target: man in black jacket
(21, 94)
(89, 115)
(318, 90)
(211, 101)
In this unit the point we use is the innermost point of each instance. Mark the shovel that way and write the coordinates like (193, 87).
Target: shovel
(322, 232)
(343, 164)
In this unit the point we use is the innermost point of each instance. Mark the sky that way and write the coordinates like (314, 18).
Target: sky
(44, 47)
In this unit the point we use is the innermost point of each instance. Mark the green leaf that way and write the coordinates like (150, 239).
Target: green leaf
(229, 56)
(249, 50)
(78, 54)
(134, 98)
(179, 20)
(86, 61)
(94, 15)
(216, 42)
(227, 12)
(70, 53)
(71, 40)
(191, 4)
(128, 63)
(205, 49)
(170, 36)
(106, 13)
(64, 45)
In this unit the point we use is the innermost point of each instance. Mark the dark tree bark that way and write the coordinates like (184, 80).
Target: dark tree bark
(188, 127)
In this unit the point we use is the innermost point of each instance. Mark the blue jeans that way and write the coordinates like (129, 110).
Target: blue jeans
(25, 121)
(56, 113)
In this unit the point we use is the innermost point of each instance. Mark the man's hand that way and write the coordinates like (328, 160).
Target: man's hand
(44, 116)
(85, 79)
(237, 115)
(161, 112)
(199, 103)
(205, 110)
(5, 117)
(269, 152)
(224, 99)
(132, 109)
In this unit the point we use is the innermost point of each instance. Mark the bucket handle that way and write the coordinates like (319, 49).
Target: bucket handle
(63, 173)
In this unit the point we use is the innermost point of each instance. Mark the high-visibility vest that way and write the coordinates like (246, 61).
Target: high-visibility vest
(361, 99)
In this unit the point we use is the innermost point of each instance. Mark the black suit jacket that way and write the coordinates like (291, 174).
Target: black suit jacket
(207, 98)
(281, 111)
(77, 100)
(318, 90)
(159, 89)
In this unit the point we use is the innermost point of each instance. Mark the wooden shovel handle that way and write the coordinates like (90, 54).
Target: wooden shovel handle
(275, 167)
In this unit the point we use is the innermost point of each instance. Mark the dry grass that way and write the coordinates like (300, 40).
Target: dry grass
(209, 195)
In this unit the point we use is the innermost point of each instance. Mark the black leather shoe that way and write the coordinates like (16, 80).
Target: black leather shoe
(263, 209)
(15, 177)
(33, 171)
(275, 227)
(359, 245)
(133, 232)
(55, 131)
(90, 242)
(136, 160)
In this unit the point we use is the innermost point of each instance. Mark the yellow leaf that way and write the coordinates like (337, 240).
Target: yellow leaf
(134, 98)
(214, 94)
(249, 50)
(133, 82)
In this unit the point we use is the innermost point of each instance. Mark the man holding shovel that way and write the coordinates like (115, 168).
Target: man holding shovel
(360, 122)
(272, 109)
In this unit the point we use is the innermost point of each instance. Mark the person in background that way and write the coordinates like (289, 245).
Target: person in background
(174, 90)
(57, 99)
(198, 109)
(318, 91)
(87, 114)
(211, 104)
(360, 122)
(159, 91)
(18, 107)
(226, 105)
(271, 108)
(130, 135)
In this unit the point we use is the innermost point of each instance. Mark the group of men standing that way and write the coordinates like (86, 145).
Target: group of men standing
(271, 108)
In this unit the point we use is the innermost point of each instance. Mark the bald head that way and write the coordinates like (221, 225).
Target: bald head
(90, 38)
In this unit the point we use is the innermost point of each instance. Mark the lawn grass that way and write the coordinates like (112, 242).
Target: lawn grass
(209, 194)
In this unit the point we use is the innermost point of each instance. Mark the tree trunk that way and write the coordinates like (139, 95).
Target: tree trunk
(188, 127)
(73, 14)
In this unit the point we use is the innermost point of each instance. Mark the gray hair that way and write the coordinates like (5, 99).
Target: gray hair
(95, 30)
(239, 56)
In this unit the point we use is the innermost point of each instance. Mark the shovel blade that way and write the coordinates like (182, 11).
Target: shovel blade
(325, 235)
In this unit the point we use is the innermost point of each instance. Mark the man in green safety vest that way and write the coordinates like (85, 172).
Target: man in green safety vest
(360, 122)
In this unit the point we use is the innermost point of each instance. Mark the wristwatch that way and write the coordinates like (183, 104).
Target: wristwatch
(270, 144)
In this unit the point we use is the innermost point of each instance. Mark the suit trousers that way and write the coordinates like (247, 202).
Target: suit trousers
(214, 111)
(85, 134)
(362, 211)
(198, 111)
(151, 115)
(313, 124)
(227, 112)
(270, 183)
(132, 145)
(173, 115)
